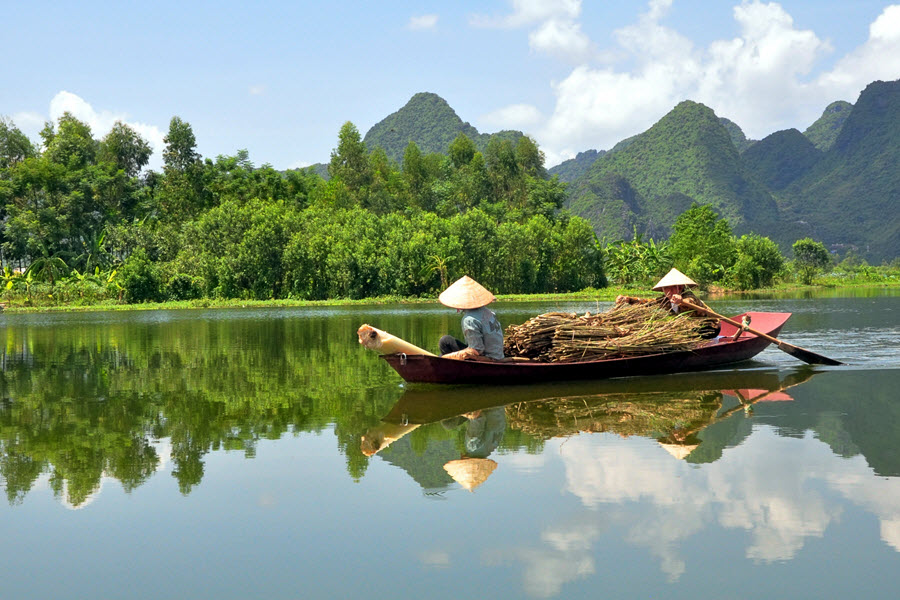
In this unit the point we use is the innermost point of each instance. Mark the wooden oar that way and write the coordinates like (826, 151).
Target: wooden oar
(796, 351)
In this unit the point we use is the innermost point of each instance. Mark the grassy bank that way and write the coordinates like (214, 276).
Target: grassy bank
(608, 294)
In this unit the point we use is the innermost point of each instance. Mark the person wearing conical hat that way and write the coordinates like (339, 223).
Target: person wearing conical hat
(481, 329)
(677, 296)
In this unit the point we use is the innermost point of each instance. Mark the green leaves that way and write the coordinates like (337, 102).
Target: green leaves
(810, 258)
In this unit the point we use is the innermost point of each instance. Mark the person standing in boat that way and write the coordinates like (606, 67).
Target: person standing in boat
(481, 329)
(677, 297)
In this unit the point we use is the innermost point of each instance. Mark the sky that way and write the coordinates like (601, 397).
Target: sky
(279, 79)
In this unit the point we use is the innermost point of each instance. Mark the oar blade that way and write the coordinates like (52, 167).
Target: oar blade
(807, 356)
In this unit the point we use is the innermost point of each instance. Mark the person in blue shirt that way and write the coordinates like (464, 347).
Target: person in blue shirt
(482, 330)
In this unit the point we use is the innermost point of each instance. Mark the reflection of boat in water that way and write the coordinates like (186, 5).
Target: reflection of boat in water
(420, 368)
(672, 409)
(429, 404)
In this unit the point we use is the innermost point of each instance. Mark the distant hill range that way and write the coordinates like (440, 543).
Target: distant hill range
(838, 182)
(428, 121)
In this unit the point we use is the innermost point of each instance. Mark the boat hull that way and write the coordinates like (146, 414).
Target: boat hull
(434, 369)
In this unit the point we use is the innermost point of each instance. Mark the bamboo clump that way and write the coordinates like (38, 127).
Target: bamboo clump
(625, 330)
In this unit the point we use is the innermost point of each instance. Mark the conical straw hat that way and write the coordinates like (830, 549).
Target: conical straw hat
(679, 451)
(675, 277)
(466, 293)
(470, 472)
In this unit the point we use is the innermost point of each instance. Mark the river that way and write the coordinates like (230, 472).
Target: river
(248, 453)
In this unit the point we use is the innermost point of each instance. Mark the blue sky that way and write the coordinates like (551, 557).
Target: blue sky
(280, 78)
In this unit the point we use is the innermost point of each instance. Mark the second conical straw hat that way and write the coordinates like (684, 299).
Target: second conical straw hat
(675, 277)
(470, 472)
(465, 292)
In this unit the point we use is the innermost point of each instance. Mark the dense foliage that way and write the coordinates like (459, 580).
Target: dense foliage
(79, 218)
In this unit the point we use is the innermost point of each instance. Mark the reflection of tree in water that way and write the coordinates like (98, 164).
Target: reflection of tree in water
(80, 404)
(670, 416)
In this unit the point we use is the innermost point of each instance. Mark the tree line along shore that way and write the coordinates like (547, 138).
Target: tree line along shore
(84, 223)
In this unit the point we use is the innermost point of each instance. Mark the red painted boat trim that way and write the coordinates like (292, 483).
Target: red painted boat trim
(433, 369)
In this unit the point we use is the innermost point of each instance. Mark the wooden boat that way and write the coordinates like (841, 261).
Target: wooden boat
(721, 351)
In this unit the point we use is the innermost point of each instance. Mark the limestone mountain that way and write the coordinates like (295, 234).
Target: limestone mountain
(851, 197)
(738, 138)
(824, 131)
(781, 158)
(570, 170)
(428, 121)
(687, 156)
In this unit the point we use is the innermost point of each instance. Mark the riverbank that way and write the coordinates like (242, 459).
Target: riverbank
(607, 294)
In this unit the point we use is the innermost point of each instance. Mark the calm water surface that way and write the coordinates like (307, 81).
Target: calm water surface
(265, 454)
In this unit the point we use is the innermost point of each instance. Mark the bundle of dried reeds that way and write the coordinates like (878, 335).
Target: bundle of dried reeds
(626, 330)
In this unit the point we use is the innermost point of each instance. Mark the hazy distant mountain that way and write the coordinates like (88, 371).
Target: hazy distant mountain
(572, 169)
(428, 121)
(738, 138)
(825, 130)
(687, 156)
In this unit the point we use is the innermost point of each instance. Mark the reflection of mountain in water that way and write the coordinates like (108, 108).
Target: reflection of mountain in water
(425, 466)
(855, 413)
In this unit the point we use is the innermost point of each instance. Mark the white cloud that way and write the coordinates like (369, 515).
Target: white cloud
(422, 22)
(435, 558)
(30, 123)
(762, 79)
(529, 12)
(878, 58)
(101, 122)
(745, 490)
(561, 38)
(256, 90)
(556, 28)
(565, 555)
(515, 116)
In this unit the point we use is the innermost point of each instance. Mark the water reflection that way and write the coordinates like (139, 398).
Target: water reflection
(671, 410)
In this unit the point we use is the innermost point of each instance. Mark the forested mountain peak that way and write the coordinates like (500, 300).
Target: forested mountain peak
(430, 122)
(688, 155)
(737, 134)
(781, 158)
(849, 199)
(824, 131)
(874, 122)
(570, 170)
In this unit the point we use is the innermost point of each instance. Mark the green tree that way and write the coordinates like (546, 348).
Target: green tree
(180, 153)
(126, 149)
(810, 258)
(72, 144)
(758, 262)
(530, 158)
(181, 194)
(702, 244)
(350, 162)
(14, 145)
(461, 151)
(140, 278)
